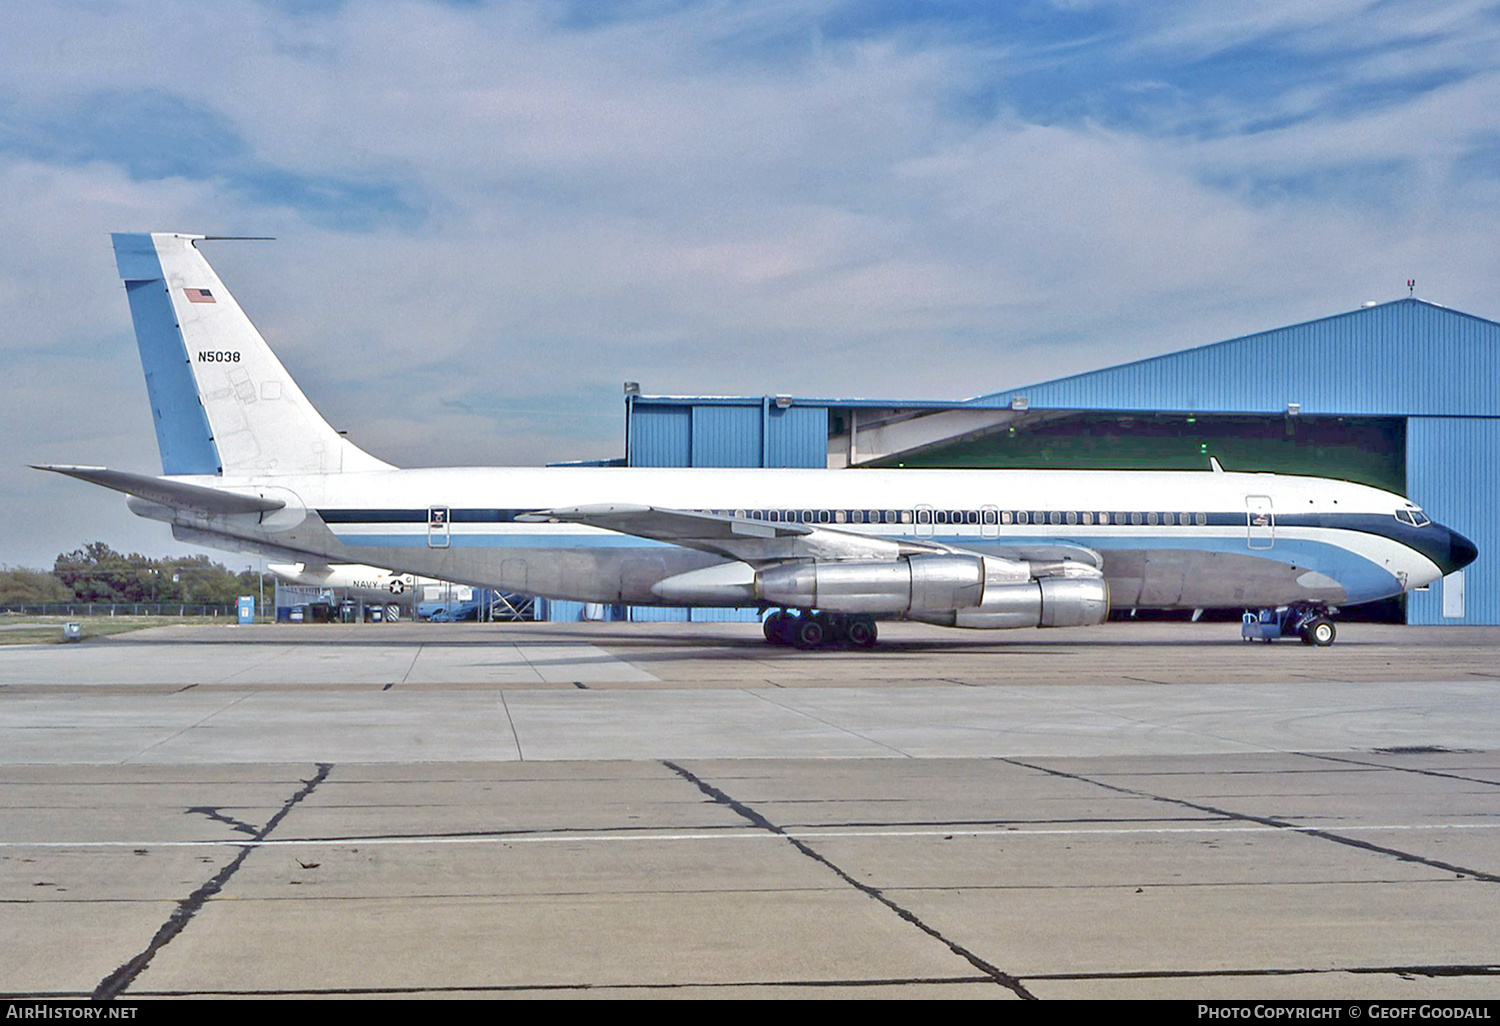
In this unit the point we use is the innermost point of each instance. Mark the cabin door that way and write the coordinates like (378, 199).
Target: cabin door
(437, 527)
(1260, 522)
(989, 522)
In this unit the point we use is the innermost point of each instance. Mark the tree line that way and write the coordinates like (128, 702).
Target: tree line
(97, 573)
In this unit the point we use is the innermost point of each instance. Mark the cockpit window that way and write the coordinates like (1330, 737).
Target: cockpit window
(1414, 517)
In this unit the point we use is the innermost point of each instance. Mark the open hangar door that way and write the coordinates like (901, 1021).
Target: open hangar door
(1369, 450)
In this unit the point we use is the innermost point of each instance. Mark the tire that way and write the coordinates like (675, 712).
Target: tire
(861, 632)
(1320, 632)
(772, 628)
(810, 632)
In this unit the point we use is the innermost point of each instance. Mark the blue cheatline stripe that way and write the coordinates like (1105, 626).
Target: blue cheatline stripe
(1425, 540)
(457, 540)
(182, 432)
(419, 516)
(373, 516)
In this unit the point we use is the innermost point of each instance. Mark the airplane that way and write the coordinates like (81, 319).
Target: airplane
(362, 583)
(248, 464)
(371, 584)
(354, 579)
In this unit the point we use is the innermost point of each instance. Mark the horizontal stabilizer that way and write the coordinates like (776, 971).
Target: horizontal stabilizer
(165, 492)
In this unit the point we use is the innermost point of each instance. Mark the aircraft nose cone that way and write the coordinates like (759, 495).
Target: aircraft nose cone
(1461, 552)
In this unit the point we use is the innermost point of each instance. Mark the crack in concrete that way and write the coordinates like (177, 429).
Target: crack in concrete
(511, 988)
(994, 973)
(827, 723)
(1270, 821)
(1402, 769)
(1483, 970)
(193, 726)
(115, 983)
(213, 813)
(514, 733)
(412, 666)
(1376, 970)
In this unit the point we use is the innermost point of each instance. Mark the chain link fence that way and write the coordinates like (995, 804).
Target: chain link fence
(120, 609)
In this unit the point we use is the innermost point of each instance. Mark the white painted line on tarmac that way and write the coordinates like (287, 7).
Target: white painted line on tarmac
(754, 834)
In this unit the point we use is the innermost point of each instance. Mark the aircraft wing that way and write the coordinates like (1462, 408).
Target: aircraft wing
(166, 492)
(759, 542)
(756, 542)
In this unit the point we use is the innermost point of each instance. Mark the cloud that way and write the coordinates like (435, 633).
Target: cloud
(154, 136)
(489, 215)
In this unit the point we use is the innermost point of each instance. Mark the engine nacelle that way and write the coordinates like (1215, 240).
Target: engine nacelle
(914, 583)
(1047, 602)
(1074, 601)
(954, 591)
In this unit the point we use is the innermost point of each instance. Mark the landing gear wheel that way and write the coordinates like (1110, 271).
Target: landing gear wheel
(772, 628)
(811, 632)
(1319, 632)
(861, 632)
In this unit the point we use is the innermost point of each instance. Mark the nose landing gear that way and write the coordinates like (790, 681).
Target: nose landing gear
(819, 630)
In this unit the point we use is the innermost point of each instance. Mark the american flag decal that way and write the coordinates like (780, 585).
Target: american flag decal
(199, 296)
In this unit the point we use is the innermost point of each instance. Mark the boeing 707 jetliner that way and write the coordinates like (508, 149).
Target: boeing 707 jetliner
(249, 465)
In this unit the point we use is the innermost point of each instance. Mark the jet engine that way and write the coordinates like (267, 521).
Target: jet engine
(950, 590)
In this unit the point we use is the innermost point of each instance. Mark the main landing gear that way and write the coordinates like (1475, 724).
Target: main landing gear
(1310, 623)
(819, 630)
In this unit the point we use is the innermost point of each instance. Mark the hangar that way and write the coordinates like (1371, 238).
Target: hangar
(1399, 395)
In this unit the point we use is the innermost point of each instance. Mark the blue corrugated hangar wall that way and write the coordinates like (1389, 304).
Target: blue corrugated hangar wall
(699, 431)
(692, 431)
(1434, 368)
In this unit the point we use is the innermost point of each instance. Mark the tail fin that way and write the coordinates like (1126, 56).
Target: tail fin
(222, 402)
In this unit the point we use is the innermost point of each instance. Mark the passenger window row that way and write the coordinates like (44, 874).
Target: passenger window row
(969, 516)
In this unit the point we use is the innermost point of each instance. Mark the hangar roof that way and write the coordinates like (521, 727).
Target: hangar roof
(1404, 358)
(1408, 358)
(802, 400)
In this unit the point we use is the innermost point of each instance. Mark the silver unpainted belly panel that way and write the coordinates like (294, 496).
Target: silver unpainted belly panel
(1167, 579)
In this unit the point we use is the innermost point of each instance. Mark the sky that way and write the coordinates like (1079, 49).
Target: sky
(488, 215)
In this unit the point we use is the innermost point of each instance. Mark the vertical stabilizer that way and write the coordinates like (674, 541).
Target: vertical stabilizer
(221, 401)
